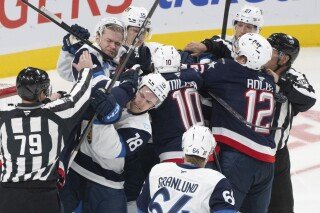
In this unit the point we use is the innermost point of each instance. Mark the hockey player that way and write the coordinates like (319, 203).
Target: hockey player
(188, 187)
(96, 176)
(133, 17)
(247, 152)
(109, 36)
(180, 111)
(248, 20)
(300, 96)
(33, 134)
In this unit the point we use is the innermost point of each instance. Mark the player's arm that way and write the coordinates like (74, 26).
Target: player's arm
(108, 106)
(144, 198)
(295, 86)
(69, 48)
(132, 140)
(109, 142)
(221, 199)
(218, 47)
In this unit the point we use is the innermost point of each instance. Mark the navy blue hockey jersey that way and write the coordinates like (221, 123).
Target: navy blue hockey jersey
(180, 110)
(251, 94)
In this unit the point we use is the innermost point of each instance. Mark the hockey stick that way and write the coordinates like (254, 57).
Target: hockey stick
(237, 115)
(225, 19)
(119, 70)
(216, 160)
(46, 13)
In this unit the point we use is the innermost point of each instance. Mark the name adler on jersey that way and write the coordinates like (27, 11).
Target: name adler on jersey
(178, 184)
(259, 85)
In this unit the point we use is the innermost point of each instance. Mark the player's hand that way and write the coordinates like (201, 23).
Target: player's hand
(85, 61)
(129, 80)
(71, 43)
(105, 106)
(196, 48)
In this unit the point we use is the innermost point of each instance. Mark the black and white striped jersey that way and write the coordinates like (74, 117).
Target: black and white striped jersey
(300, 97)
(32, 136)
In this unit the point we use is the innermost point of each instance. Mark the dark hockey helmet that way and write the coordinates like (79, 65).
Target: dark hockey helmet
(30, 82)
(286, 44)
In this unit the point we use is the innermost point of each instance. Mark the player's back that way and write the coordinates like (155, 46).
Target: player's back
(184, 187)
(176, 114)
(251, 94)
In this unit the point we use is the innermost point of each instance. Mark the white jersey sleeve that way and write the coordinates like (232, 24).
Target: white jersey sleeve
(64, 66)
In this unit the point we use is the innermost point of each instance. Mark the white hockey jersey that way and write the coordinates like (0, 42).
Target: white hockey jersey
(102, 155)
(174, 187)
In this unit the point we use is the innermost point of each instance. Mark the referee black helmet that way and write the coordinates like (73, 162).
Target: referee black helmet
(286, 44)
(31, 82)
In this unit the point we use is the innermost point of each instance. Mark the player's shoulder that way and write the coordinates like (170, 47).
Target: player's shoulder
(162, 168)
(210, 175)
(128, 120)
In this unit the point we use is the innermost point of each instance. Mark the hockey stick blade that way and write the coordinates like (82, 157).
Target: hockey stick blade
(237, 115)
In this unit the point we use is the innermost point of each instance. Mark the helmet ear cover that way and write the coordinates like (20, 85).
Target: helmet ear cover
(31, 82)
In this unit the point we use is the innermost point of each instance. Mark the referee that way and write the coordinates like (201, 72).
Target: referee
(32, 135)
(297, 96)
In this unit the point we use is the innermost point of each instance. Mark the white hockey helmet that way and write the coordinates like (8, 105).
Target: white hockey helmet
(166, 59)
(256, 48)
(153, 46)
(107, 21)
(135, 16)
(199, 141)
(157, 84)
(250, 15)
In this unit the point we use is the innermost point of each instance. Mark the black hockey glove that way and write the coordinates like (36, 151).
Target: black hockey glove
(105, 106)
(129, 81)
(70, 43)
(187, 58)
(141, 56)
(217, 47)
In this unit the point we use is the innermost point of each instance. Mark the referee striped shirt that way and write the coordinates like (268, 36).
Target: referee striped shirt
(32, 136)
(300, 97)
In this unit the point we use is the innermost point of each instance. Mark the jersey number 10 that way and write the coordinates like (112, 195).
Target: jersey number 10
(189, 104)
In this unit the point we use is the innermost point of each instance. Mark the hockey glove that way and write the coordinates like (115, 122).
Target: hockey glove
(106, 107)
(72, 44)
(218, 47)
(141, 56)
(129, 81)
(187, 58)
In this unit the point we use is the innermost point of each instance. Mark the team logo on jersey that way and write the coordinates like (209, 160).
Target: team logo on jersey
(26, 112)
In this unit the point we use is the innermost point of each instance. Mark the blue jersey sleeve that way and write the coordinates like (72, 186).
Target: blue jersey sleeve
(190, 74)
(144, 197)
(133, 140)
(222, 197)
